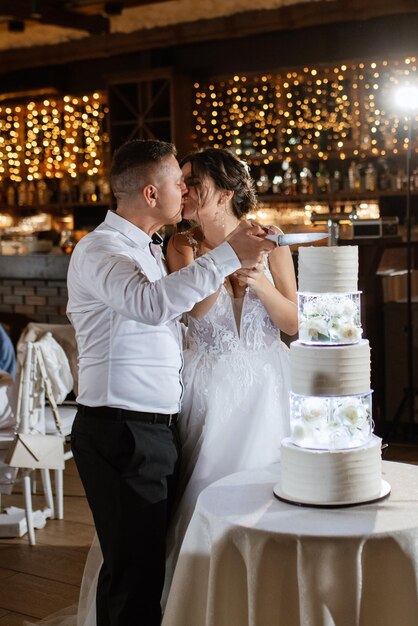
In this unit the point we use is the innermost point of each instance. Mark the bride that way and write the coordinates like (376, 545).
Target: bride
(236, 371)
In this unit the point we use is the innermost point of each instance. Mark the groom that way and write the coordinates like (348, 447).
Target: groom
(125, 312)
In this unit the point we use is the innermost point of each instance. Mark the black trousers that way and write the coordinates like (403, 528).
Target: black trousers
(129, 472)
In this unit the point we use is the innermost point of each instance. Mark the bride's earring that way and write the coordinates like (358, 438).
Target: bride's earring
(220, 214)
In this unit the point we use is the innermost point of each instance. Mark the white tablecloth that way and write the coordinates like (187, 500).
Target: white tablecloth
(249, 559)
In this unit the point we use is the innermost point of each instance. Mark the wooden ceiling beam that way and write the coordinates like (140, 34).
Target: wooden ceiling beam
(79, 4)
(297, 16)
(49, 14)
(137, 3)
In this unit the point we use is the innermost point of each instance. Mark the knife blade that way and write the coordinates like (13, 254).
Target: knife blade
(291, 239)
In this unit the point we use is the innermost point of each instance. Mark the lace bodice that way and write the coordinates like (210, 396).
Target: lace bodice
(217, 332)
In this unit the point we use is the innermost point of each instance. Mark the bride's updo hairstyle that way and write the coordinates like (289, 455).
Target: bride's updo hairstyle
(227, 172)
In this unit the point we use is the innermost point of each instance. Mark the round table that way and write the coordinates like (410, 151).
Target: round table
(249, 559)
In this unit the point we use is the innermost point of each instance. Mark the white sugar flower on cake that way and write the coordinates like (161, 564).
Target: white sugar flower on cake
(344, 331)
(330, 422)
(352, 411)
(314, 329)
(301, 432)
(314, 409)
(346, 308)
(329, 318)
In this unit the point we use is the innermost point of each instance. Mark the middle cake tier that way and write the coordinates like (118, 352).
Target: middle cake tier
(330, 370)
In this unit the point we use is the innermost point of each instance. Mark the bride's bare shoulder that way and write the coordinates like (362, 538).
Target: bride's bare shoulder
(182, 248)
(189, 238)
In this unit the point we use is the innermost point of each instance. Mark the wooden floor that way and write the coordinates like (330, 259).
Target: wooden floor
(37, 581)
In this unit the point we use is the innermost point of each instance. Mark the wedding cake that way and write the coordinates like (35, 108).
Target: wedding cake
(331, 457)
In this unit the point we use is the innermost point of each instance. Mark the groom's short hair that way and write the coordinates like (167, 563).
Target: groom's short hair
(133, 160)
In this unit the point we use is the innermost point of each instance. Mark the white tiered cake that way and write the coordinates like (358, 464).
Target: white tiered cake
(331, 457)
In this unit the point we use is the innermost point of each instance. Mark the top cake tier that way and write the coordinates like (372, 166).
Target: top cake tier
(328, 269)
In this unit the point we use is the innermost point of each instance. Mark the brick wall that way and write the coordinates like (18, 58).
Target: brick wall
(42, 301)
(33, 288)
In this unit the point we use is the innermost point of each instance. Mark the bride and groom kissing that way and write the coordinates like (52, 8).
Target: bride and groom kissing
(219, 404)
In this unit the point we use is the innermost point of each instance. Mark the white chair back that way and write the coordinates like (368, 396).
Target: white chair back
(7, 419)
(63, 334)
(44, 353)
(7, 424)
(45, 372)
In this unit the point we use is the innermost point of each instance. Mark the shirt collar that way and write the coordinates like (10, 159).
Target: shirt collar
(126, 228)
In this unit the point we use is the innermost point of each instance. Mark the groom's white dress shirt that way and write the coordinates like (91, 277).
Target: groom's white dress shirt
(125, 311)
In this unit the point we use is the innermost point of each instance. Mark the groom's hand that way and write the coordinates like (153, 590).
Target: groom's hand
(249, 243)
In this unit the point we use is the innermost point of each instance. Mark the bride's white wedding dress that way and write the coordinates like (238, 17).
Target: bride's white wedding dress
(234, 414)
(235, 408)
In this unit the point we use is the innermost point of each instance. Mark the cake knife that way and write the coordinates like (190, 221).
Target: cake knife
(292, 238)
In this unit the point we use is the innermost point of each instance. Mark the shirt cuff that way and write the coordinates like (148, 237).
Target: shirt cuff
(225, 258)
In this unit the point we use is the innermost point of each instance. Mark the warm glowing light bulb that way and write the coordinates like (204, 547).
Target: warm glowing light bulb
(406, 98)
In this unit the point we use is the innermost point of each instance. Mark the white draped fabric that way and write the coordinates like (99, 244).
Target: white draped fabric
(251, 559)
(248, 558)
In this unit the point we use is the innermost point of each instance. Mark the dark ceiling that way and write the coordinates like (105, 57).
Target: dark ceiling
(92, 30)
(87, 15)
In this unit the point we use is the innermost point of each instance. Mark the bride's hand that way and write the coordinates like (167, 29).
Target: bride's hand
(250, 277)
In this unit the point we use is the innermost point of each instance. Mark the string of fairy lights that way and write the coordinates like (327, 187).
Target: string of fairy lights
(53, 138)
(319, 112)
(315, 112)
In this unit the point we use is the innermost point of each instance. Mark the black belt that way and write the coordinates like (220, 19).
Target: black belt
(109, 412)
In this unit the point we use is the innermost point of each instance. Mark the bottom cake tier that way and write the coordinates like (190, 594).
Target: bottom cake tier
(322, 477)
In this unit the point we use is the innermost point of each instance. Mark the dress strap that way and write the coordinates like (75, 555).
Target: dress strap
(193, 243)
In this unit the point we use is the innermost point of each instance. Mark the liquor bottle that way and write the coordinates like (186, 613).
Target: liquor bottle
(67, 241)
(354, 177)
(294, 187)
(64, 190)
(103, 189)
(31, 193)
(400, 180)
(385, 178)
(336, 182)
(11, 195)
(414, 181)
(370, 178)
(88, 190)
(322, 179)
(306, 180)
(288, 176)
(43, 195)
(22, 194)
(276, 183)
(263, 182)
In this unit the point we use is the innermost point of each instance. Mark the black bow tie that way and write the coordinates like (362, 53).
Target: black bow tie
(157, 239)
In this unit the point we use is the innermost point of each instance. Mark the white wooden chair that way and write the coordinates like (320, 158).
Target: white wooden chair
(7, 428)
(44, 375)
